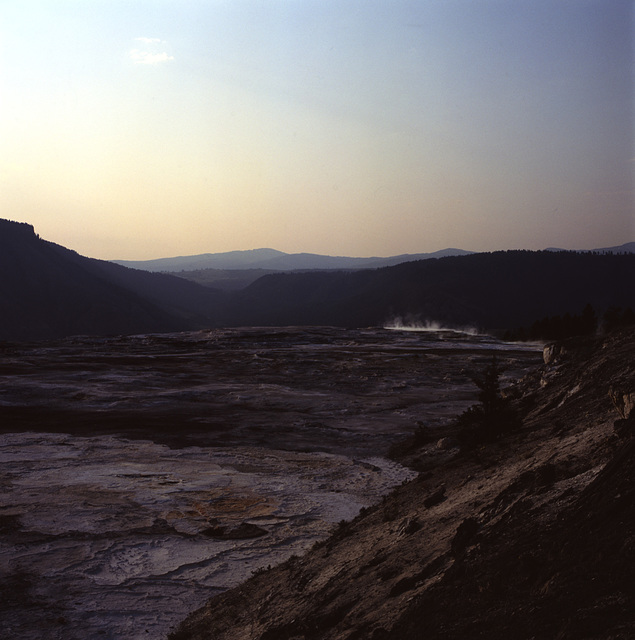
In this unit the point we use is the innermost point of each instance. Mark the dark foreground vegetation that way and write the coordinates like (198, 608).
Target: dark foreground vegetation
(47, 291)
(493, 417)
(525, 535)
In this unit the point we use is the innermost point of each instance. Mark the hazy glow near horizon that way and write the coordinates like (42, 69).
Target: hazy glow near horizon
(137, 129)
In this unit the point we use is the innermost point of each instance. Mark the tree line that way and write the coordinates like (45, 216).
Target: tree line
(560, 327)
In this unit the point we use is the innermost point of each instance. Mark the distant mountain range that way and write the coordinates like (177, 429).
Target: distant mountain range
(272, 260)
(48, 291)
(235, 270)
(628, 247)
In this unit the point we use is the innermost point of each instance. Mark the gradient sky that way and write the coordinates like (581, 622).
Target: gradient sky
(134, 129)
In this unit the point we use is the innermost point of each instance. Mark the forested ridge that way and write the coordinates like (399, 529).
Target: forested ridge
(48, 291)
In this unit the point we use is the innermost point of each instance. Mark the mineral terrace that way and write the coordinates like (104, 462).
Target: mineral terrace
(142, 475)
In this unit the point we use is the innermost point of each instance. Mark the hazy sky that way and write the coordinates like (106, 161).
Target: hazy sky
(139, 129)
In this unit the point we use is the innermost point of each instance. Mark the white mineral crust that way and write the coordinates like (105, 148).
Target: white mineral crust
(111, 533)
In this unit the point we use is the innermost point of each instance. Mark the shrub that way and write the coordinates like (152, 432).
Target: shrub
(492, 417)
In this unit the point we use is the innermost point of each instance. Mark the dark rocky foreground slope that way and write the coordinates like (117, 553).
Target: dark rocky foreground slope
(527, 537)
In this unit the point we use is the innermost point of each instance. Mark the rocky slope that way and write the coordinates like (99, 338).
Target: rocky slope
(526, 537)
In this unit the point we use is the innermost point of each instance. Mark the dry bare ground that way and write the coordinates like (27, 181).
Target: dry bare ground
(530, 536)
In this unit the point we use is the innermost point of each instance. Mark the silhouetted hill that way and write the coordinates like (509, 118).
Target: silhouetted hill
(488, 290)
(224, 279)
(272, 260)
(251, 259)
(190, 267)
(48, 291)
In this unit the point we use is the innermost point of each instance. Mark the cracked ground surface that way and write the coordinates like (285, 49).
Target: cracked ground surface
(141, 475)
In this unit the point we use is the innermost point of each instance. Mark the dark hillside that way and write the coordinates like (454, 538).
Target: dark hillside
(189, 302)
(492, 291)
(47, 291)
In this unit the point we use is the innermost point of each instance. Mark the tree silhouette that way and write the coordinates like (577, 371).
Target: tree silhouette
(492, 417)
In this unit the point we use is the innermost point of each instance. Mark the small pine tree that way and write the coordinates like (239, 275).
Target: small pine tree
(490, 419)
(489, 385)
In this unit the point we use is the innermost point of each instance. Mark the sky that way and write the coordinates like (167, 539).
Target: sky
(139, 129)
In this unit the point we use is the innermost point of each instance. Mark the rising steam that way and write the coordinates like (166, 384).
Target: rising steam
(398, 324)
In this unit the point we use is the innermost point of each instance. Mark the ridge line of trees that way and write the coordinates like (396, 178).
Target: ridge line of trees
(560, 327)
